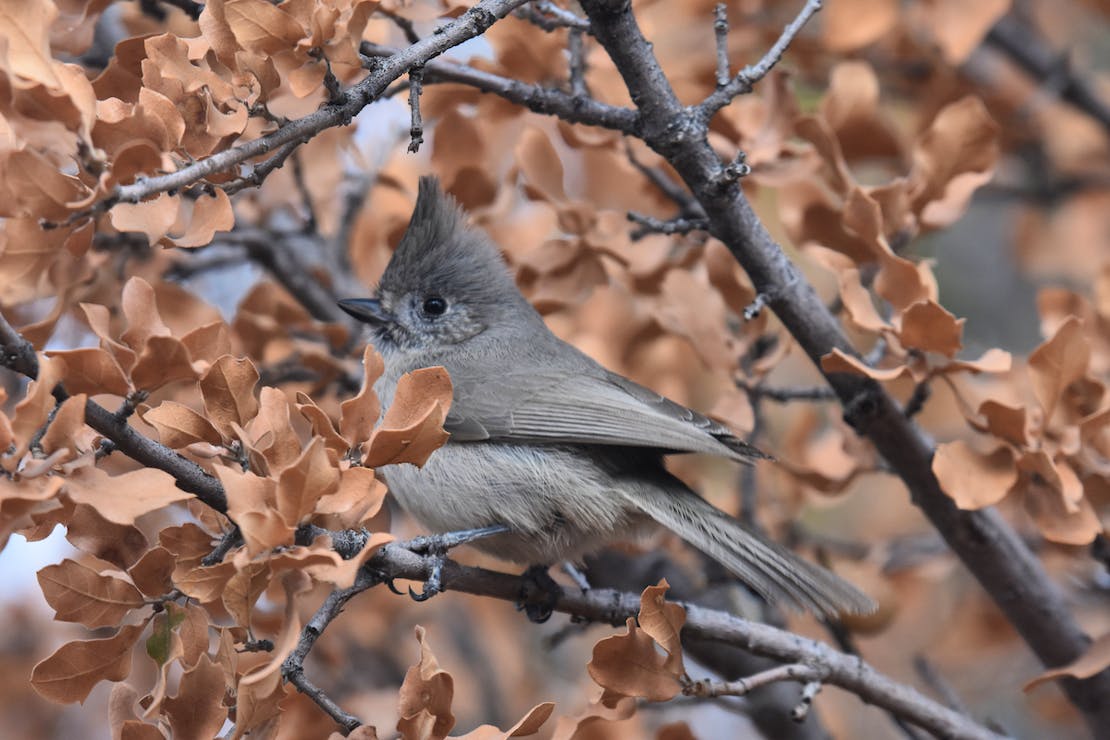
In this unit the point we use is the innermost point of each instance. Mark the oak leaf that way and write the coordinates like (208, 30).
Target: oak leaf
(71, 672)
(413, 425)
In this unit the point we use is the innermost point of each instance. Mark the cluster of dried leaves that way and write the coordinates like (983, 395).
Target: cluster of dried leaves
(854, 156)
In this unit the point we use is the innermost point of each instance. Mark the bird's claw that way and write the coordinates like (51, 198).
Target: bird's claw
(539, 594)
(436, 546)
(392, 586)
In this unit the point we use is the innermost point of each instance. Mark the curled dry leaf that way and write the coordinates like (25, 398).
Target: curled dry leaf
(179, 426)
(358, 415)
(124, 498)
(972, 479)
(630, 664)
(197, 710)
(228, 391)
(303, 483)
(80, 593)
(153, 572)
(1057, 363)
(91, 370)
(413, 425)
(1095, 659)
(927, 326)
(530, 724)
(70, 673)
(252, 505)
(425, 698)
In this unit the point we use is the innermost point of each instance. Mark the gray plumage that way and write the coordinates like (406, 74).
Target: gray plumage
(543, 439)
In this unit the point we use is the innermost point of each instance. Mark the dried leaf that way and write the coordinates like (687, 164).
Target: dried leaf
(413, 425)
(1057, 363)
(425, 697)
(80, 593)
(303, 483)
(91, 370)
(358, 415)
(164, 360)
(630, 665)
(152, 573)
(971, 479)
(179, 426)
(252, 505)
(927, 326)
(228, 391)
(71, 672)
(124, 498)
(663, 621)
(197, 709)
(530, 724)
(1092, 661)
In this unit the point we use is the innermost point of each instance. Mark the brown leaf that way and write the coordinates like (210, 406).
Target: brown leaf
(211, 213)
(303, 483)
(179, 426)
(851, 24)
(197, 710)
(540, 164)
(80, 593)
(164, 360)
(663, 621)
(228, 391)
(839, 362)
(295, 584)
(971, 479)
(68, 422)
(530, 724)
(630, 665)
(322, 425)
(119, 544)
(425, 697)
(1057, 363)
(152, 573)
(124, 498)
(91, 370)
(261, 27)
(358, 415)
(272, 430)
(927, 326)
(963, 139)
(242, 590)
(71, 672)
(252, 505)
(1092, 661)
(154, 217)
(413, 425)
(205, 584)
(1054, 498)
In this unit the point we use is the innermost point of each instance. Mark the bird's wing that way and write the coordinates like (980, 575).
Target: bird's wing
(583, 408)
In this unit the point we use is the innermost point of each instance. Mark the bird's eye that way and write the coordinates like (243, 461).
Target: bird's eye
(434, 305)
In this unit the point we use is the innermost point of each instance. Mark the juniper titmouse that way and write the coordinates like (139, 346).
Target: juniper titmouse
(543, 439)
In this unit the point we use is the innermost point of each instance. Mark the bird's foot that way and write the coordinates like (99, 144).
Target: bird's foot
(436, 547)
(539, 594)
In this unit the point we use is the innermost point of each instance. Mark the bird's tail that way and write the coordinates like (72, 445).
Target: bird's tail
(774, 572)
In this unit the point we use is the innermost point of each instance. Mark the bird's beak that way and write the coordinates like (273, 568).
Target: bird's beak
(368, 310)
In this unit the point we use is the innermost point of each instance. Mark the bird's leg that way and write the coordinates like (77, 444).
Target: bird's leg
(539, 594)
(436, 547)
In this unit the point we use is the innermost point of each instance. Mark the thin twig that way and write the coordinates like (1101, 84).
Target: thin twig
(547, 100)
(746, 78)
(306, 196)
(792, 672)
(577, 62)
(786, 395)
(416, 127)
(720, 33)
(652, 225)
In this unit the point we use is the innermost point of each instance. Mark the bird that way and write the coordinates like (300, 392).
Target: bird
(561, 455)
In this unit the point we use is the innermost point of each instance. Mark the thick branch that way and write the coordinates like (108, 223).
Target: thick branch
(985, 543)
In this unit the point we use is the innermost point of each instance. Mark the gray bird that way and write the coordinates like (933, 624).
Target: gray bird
(544, 440)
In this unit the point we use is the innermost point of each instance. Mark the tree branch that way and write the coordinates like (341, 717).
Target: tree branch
(473, 22)
(985, 543)
(546, 100)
